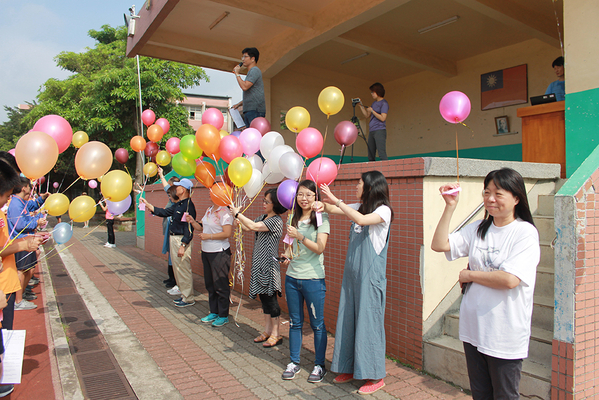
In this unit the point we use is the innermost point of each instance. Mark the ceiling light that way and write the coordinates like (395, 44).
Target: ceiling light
(219, 19)
(438, 24)
(354, 58)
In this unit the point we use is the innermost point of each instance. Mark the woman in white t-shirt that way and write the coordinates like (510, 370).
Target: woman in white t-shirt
(216, 228)
(503, 253)
(360, 335)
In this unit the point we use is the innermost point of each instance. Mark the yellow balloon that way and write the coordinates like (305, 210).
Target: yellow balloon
(116, 185)
(80, 138)
(330, 100)
(150, 169)
(82, 209)
(57, 204)
(240, 171)
(100, 178)
(223, 133)
(93, 160)
(36, 154)
(297, 118)
(163, 158)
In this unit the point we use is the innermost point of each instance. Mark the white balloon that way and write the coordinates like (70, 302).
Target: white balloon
(269, 142)
(271, 177)
(291, 165)
(256, 162)
(254, 185)
(275, 156)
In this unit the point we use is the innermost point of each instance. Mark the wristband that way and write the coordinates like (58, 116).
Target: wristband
(338, 203)
(236, 215)
(303, 238)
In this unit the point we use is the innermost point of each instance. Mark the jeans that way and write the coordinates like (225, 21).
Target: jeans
(377, 140)
(250, 115)
(313, 292)
(110, 229)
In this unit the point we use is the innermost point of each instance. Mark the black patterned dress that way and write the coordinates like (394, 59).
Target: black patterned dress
(266, 274)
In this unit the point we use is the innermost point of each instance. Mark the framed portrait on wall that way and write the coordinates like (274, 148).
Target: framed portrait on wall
(502, 125)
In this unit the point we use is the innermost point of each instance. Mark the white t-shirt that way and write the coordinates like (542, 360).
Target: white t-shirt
(212, 223)
(378, 232)
(497, 321)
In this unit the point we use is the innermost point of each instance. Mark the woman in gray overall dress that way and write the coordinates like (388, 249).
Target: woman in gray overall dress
(360, 335)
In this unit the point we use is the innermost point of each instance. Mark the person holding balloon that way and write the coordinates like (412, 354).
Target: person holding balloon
(170, 282)
(109, 226)
(304, 280)
(86, 223)
(360, 337)
(377, 127)
(265, 279)
(181, 235)
(253, 102)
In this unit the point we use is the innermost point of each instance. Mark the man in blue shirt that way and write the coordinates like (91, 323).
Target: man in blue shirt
(558, 87)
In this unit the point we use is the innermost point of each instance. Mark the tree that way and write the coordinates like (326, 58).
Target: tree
(101, 97)
(14, 128)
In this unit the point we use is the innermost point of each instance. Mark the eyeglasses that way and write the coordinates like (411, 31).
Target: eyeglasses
(305, 196)
(244, 56)
(266, 201)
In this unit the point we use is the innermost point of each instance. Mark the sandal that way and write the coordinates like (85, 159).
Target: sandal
(273, 341)
(263, 337)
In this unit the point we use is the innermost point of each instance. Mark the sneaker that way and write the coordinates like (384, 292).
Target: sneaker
(106, 244)
(5, 390)
(33, 281)
(170, 285)
(291, 370)
(178, 300)
(209, 318)
(220, 321)
(174, 291)
(112, 246)
(29, 296)
(184, 303)
(370, 387)
(25, 305)
(317, 374)
(343, 378)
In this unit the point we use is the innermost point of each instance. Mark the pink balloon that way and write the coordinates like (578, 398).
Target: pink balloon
(230, 148)
(57, 127)
(346, 133)
(55, 185)
(250, 140)
(214, 117)
(322, 170)
(12, 151)
(92, 184)
(164, 124)
(309, 142)
(148, 117)
(121, 155)
(261, 124)
(151, 149)
(172, 145)
(455, 107)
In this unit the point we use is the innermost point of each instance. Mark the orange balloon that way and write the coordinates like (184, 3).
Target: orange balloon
(155, 133)
(36, 154)
(205, 174)
(208, 138)
(213, 156)
(93, 160)
(138, 143)
(221, 194)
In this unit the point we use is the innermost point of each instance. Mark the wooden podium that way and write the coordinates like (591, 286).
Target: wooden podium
(544, 134)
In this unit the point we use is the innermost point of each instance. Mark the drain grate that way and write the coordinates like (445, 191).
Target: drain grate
(100, 376)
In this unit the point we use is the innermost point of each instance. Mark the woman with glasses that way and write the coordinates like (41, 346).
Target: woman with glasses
(496, 310)
(265, 279)
(360, 335)
(304, 280)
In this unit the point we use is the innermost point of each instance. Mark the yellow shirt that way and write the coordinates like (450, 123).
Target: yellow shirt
(9, 279)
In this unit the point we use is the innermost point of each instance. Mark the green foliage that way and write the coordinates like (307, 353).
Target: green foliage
(13, 129)
(101, 96)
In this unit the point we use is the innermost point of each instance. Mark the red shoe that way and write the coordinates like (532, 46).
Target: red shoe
(370, 387)
(343, 378)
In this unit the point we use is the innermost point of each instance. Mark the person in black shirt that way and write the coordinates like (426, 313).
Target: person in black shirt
(181, 234)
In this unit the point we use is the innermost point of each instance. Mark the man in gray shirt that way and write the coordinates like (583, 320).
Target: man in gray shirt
(253, 102)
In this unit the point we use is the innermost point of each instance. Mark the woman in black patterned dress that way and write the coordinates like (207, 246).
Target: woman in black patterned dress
(265, 279)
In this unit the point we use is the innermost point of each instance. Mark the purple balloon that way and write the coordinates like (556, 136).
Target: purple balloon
(455, 107)
(119, 207)
(286, 193)
(236, 134)
(346, 133)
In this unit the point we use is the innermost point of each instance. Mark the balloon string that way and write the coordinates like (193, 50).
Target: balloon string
(127, 169)
(341, 157)
(457, 153)
(255, 197)
(559, 33)
(75, 181)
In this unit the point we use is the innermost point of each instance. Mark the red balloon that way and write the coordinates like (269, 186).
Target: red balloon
(121, 155)
(41, 180)
(309, 142)
(151, 149)
(261, 124)
(346, 133)
(226, 178)
(172, 145)
(164, 124)
(148, 117)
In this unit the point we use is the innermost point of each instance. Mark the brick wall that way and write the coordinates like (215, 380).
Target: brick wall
(404, 295)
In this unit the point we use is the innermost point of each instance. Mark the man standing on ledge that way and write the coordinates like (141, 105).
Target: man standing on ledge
(253, 102)
(558, 87)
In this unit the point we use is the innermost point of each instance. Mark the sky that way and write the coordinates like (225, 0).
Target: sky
(33, 32)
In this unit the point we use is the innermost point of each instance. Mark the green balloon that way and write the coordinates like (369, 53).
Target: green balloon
(189, 148)
(183, 166)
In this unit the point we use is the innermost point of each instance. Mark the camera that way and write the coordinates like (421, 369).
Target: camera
(355, 101)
